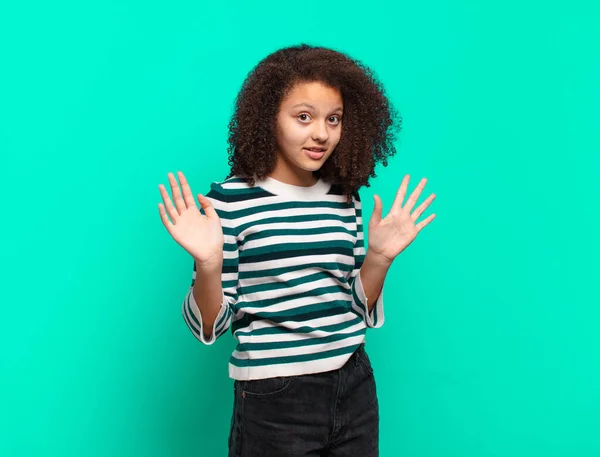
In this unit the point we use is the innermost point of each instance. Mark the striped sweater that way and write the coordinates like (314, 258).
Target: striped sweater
(292, 293)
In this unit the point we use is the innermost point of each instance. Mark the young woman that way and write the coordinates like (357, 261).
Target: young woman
(279, 254)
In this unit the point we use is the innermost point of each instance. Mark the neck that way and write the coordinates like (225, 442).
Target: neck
(295, 177)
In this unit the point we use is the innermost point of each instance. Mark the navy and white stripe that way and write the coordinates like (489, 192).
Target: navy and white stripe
(292, 293)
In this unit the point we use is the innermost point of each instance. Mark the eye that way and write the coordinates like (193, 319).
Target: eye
(303, 114)
(337, 119)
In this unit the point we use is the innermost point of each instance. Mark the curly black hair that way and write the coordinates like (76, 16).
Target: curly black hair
(369, 127)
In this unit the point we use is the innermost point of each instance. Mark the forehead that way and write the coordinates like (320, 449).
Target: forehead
(314, 93)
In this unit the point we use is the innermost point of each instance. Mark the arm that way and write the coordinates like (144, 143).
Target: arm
(367, 278)
(207, 295)
(388, 237)
(208, 306)
(372, 275)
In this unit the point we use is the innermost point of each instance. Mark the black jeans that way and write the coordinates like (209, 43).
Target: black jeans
(333, 414)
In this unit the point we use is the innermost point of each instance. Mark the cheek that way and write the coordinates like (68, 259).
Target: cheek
(294, 134)
(336, 135)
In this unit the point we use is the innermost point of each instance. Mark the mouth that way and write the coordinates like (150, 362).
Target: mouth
(315, 153)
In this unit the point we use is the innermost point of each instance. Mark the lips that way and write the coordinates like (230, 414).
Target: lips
(315, 153)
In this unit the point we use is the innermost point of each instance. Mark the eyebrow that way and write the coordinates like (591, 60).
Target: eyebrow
(339, 108)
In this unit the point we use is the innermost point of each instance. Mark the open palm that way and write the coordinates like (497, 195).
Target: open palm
(201, 236)
(388, 237)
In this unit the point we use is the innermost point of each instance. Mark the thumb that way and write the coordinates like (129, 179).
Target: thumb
(207, 206)
(377, 210)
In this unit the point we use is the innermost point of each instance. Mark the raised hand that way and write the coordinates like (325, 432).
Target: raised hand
(388, 237)
(201, 236)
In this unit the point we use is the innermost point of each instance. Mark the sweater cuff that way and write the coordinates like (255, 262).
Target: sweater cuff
(193, 311)
(374, 318)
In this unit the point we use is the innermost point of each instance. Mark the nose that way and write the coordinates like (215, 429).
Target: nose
(320, 132)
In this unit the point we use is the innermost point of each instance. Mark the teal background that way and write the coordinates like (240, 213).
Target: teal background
(490, 346)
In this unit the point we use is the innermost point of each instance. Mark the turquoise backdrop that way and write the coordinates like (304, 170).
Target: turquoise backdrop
(491, 344)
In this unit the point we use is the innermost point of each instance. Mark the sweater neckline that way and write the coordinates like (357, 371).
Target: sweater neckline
(274, 186)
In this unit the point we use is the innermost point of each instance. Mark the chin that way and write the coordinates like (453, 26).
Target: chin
(312, 167)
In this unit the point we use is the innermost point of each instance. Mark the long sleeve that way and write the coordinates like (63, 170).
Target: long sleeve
(229, 276)
(375, 318)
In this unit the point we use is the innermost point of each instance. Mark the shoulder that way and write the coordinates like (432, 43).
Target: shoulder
(336, 189)
(234, 191)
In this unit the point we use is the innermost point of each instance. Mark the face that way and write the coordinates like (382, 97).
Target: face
(310, 117)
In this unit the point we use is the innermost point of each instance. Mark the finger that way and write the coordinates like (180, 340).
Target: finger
(397, 205)
(188, 197)
(422, 207)
(173, 214)
(377, 210)
(164, 218)
(179, 203)
(207, 206)
(410, 203)
(424, 223)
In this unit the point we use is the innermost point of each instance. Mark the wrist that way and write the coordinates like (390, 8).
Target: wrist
(214, 263)
(377, 260)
